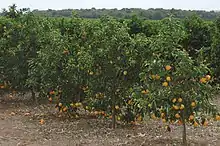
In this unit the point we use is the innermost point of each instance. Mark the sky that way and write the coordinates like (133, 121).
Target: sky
(145, 4)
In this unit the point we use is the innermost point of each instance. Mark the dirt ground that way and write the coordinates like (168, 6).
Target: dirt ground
(19, 126)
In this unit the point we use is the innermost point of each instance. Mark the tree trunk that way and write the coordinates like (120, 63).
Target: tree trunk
(184, 130)
(184, 134)
(33, 96)
(113, 112)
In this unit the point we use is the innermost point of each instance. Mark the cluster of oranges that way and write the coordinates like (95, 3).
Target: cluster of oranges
(168, 78)
(205, 79)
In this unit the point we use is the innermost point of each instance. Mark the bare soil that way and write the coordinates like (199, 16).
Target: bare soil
(19, 126)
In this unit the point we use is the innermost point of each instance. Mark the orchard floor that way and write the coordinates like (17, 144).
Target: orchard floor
(19, 126)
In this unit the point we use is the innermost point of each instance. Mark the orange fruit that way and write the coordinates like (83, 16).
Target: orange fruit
(116, 107)
(208, 77)
(125, 73)
(203, 80)
(165, 84)
(180, 100)
(65, 109)
(176, 107)
(60, 104)
(139, 118)
(177, 116)
(65, 52)
(52, 92)
(174, 100)
(195, 124)
(157, 77)
(168, 79)
(164, 120)
(162, 115)
(91, 73)
(42, 121)
(129, 102)
(217, 117)
(153, 116)
(205, 123)
(182, 107)
(191, 117)
(145, 91)
(50, 99)
(180, 122)
(96, 112)
(168, 67)
(193, 104)
(153, 76)
(76, 116)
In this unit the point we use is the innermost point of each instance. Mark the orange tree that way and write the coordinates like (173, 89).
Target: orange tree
(60, 68)
(19, 44)
(114, 70)
(178, 88)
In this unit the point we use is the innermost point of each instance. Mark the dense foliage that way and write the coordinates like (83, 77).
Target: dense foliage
(152, 14)
(119, 69)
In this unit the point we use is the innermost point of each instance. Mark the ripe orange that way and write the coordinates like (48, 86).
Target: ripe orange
(65, 52)
(203, 80)
(208, 77)
(205, 123)
(130, 102)
(60, 104)
(180, 100)
(52, 92)
(217, 117)
(153, 116)
(165, 84)
(193, 104)
(139, 118)
(177, 116)
(50, 99)
(157, 77)
(145, 91)
(168, 67)
(180, 122)
(164, 120)
(65, 109)
(162, 115)
(182, 107)
(191, 117)
(196, 124)
(174, 100)
(176, 107)
(42, 121)
(168, 78)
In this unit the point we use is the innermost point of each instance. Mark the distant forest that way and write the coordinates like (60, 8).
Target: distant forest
(151, 14)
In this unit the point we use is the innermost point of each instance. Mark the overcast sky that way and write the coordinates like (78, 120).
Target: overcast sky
(145, 4)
